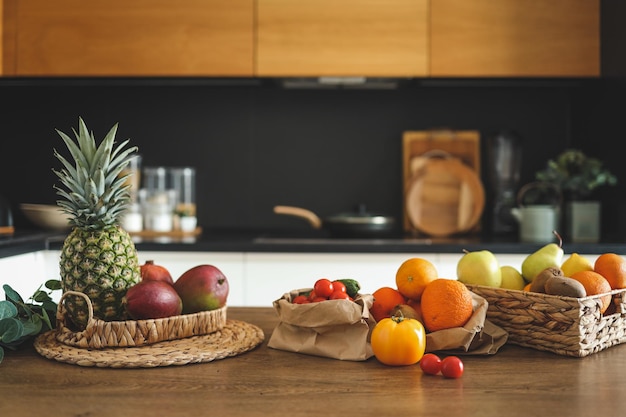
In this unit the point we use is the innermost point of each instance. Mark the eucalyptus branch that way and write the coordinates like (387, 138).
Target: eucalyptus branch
(22, 320)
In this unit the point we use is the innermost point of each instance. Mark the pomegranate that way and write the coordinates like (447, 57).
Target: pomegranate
(152, 300)
(153, 272)
(202, 288)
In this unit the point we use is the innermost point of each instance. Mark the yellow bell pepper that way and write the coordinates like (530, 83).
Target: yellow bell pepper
(398, 341)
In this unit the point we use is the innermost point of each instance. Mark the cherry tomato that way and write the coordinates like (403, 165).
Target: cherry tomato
(452, 367)
(300, 299)
(312, 295)
(430, 364)
(323, 287)
(339, 286)
(339, 295)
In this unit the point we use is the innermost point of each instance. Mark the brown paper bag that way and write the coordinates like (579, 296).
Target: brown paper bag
(334, 329)
(478, 337)
(342, 330)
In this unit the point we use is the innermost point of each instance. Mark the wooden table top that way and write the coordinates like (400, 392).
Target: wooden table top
(514, 382)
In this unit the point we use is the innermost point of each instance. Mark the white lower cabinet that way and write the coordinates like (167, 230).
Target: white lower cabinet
(230, 263)
(256, 279)
(269, 275)
(24, 273)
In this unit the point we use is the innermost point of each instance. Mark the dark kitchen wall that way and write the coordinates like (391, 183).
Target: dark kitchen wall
(255, 144)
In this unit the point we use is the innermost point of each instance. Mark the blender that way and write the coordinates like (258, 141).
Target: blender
(505, 157)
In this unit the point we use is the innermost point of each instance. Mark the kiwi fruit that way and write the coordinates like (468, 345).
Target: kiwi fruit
(406, 311)
(538, 284)
(565, 286)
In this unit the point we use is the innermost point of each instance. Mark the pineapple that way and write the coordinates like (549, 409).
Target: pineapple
(98, 257)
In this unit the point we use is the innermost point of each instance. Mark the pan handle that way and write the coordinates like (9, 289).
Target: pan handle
(308, 215)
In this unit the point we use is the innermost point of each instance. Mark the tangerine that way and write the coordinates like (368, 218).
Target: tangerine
(595, 284)
(446, 303)
(413, 276)
(612, 267)
(385, 299)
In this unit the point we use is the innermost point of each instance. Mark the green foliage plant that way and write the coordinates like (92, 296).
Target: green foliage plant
(576, 174)
(22, 320)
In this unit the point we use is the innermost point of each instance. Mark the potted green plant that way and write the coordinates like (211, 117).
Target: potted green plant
(578, 176)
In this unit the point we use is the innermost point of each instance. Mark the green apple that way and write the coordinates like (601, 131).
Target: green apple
(479, 268)
(512, 279)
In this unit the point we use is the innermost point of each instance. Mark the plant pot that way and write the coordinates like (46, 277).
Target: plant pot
(583, 221)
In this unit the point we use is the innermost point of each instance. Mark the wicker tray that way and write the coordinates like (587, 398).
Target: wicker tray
(235, 338)
(100, 334)
(562, 325)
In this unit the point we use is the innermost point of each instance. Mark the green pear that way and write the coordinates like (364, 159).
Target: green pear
(479, 268)
(512, 279)
(550, 255)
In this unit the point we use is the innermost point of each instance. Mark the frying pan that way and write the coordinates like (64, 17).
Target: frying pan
(355, 224)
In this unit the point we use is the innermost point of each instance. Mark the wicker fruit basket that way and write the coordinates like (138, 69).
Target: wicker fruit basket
(99, 334)
(562, 325)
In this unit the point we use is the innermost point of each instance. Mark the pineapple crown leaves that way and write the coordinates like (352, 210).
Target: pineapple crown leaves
(96, 193)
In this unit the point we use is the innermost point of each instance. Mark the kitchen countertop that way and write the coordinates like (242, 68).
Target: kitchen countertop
(276, 242)
(515, 382)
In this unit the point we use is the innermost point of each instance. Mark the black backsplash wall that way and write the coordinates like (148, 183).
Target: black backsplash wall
(258, 145)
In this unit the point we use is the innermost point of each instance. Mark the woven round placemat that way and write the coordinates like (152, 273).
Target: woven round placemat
(234, 338)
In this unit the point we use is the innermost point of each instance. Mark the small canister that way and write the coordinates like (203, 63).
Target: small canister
(538, 212)
(183, 182)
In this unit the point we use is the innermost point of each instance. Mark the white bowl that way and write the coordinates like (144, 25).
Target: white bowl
(46, 216)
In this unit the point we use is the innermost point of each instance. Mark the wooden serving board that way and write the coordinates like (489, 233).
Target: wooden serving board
(445, 197)
(448, 198)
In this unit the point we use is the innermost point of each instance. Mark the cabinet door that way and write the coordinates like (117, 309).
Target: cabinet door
(129, 38)
(25, 274)
(502, 38)
(270, 275)
(342, 38)
(1, 37)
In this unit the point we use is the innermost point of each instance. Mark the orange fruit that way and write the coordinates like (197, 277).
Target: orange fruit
(446, 303)
(385, 299)
(527, 286)
(413, 276)
(612, 267)
(595, 284)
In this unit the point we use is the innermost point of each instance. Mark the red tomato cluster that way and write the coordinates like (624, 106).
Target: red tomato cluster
(450, 366)
(324, 289)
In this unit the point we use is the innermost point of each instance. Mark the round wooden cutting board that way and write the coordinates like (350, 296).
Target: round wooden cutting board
(444, 196)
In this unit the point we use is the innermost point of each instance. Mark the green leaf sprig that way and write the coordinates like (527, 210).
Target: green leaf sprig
(20, 320)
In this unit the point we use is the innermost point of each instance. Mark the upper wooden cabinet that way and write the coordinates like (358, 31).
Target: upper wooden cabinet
(342, 38)
(504, 38)
(1, 35)
(129, 38)
(297, 38)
